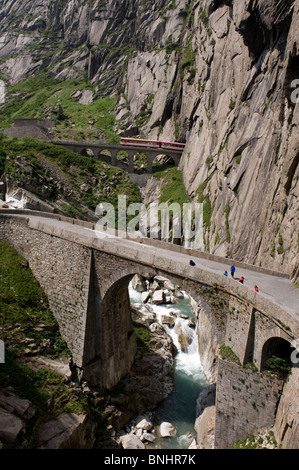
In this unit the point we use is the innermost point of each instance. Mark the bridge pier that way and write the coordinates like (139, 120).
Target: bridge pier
(131, 155)
(150, 157)
(114, 157)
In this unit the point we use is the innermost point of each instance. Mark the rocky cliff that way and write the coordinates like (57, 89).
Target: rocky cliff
(217, 74)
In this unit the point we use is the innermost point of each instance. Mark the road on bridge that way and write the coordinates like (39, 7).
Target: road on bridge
(276, 288)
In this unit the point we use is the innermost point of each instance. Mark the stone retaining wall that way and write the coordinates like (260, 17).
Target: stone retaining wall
(246, 403)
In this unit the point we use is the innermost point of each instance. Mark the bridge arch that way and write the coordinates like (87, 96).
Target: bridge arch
(275, 346)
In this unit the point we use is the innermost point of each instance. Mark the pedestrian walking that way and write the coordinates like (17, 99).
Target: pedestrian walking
(232, 271)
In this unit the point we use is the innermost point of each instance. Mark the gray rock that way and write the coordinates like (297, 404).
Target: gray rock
(144, 423)
(10, 426)
(167, 429)
(68, 431)
(169, 321)
(206, 399)
(138, 283)
(131, 441)
(145, 296)
(147, 437)
(158, 297)
(16, 405)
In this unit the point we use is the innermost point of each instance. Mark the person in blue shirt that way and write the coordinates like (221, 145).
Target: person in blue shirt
(232, 271)
(225, 273)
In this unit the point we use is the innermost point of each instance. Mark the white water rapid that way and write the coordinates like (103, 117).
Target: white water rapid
(189, 378)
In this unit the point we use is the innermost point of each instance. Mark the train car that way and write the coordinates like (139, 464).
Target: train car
(172, 145)
(140, 142)
(151, 143)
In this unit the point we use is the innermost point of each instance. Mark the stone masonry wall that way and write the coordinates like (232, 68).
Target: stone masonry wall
(62, 269)
(287, 418)
(88, 295)
(238, 326)
(267, 328)
(246, 402)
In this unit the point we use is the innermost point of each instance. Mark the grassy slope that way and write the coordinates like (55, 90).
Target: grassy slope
(23, 309)
(56, 175)
(41, 97)
(173, 188)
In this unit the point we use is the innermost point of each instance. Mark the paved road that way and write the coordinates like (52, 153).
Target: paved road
(276, 288)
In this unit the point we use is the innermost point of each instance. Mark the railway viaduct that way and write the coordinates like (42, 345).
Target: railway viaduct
(86, 274)
(109, 152)
(41, 129)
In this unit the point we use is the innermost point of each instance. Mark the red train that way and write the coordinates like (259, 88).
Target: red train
(152, 143)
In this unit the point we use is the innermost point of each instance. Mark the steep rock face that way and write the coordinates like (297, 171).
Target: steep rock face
(217, 74)
(242, 145)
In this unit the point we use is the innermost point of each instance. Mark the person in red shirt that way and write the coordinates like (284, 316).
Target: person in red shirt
(241, 279)
(256, 288)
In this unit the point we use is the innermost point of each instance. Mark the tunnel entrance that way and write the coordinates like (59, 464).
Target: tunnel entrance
(276, 355)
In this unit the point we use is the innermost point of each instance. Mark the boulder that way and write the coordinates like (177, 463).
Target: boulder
(131, 441)
(10, 426)
(68, 431)
(179, 294)
(167, 430)
(144, 423)
(155, 286)
(147, 437)
(158, 297)
(206, 399)
(145, 296)
(183, 339)
(165, 283)
(138, 283)
(205, 428)
(16, 405)
(169, 321)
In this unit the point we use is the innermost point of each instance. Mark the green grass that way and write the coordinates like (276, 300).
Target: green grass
(279, 364)
(23, 304)
(143, 338)
(70, 168)
(228, 354)
(35, 96)
(227, 212)
(173, 188)
(257, 442)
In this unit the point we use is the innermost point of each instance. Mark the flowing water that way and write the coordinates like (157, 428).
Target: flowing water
(189, 378)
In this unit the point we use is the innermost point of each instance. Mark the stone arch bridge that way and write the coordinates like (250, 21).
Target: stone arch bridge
(86, 277)
(109, 152)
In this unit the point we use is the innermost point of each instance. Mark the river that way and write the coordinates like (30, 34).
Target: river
(189, 378)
